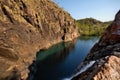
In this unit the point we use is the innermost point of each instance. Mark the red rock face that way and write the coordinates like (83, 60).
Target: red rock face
(110, 70)
(112, 33)
(106, 54)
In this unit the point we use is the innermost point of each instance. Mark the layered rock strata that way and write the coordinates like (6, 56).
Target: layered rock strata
(26, 26)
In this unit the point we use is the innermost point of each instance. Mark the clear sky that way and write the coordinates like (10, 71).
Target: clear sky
(103, 10)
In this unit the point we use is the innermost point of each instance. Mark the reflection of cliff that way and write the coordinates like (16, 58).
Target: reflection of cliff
(52, 57)
(56, 50)
(103, 61)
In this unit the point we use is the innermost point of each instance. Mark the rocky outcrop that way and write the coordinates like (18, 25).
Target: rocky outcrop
(103, 61)
(110, 70)
(27, 26)
(103, 69)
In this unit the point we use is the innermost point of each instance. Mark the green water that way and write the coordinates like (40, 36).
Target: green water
(61, 60)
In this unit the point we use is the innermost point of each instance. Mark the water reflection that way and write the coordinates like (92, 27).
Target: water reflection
(56, 51)
(49, 61)
(61, 60)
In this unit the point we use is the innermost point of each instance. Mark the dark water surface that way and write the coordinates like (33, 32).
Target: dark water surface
(61, 60)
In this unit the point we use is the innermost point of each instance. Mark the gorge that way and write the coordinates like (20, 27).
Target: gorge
(61, 60)
(37, 35)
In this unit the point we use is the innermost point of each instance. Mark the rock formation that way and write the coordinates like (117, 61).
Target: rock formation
(103, 61)
(27, 26)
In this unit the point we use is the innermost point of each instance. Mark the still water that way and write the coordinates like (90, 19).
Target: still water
(60, 61)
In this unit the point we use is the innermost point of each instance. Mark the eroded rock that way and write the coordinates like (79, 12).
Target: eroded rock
(106, 54)
(27, 26)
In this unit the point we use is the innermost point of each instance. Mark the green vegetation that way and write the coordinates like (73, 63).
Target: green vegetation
(91, 27)
(86, 38)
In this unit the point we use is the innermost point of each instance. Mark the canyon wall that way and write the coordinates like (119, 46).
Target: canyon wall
(26, 26)
(104, 58)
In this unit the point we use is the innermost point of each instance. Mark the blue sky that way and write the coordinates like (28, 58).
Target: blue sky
(103, 10)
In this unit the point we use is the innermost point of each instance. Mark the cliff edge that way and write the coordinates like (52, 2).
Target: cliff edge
(103, 61)
(26, 26)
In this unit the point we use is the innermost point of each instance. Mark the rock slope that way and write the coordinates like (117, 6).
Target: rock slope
(104, 57)
(27, 26)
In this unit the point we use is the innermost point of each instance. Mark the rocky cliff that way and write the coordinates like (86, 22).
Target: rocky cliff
(27, 26)
(103, 61)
